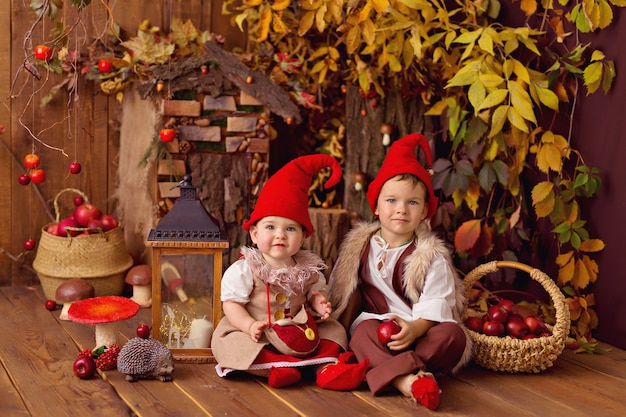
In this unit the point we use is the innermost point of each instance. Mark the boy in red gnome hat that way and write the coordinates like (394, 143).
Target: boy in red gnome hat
(397, 269)
(270, 295)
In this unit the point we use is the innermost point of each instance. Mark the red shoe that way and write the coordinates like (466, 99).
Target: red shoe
(342, 376)
(426, 391)
(283, 377)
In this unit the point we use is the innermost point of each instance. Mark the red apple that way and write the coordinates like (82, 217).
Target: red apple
(509, 306)
(497, 313)
(23, 179)
(84, 367)
(94, 225)
(475, 324)
(37, 176)
(167, 134)
(535, 325)
(75, 167)
(43, 53)
(104, 65)
(143, 331)
(386, 329)
(529, 336)
(68, 222)
(493, 328)
(78, 200)
(516, 328)
(86, 212)
(51, 305)
(29, 244)
(109, 222)
(53, 229)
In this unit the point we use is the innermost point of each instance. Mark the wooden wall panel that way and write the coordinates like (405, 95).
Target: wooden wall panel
(86, 129)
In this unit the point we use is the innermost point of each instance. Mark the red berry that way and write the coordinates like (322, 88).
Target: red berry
(75, 167)
(38, 176)
(51, 305)
(85, 354)
(43, 53)
(23, 179)
(32, 161)
(29, 244)
(204, 70)
(143, 331)
(167, 134)
(104, 65)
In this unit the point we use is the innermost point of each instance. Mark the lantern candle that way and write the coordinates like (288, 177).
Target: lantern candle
(199, 334)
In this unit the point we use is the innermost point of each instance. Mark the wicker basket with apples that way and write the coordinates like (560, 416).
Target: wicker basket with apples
(85, 244)
(507, 351)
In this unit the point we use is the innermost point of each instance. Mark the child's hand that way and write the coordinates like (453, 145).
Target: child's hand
(409, 332)
(256, 330)
(321, 304)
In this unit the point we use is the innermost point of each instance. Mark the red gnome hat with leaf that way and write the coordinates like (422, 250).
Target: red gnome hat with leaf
(286, 193)
(401, 159)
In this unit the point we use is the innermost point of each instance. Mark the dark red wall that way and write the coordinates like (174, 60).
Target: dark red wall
(600, 134)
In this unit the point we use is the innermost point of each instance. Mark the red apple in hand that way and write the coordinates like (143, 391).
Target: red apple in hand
(386, 329)
(143, 331)
(84, 367)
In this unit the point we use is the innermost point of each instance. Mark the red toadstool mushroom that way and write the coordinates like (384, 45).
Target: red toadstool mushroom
(140, 277)
(72, 290)
(104, 312)
(174, 280)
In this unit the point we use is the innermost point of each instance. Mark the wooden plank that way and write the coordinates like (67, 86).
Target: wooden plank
(11, 403)
(35, 337)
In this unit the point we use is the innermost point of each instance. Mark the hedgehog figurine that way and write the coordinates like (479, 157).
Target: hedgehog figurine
(145, 359)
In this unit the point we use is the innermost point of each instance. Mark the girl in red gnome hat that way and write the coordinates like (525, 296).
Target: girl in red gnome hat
(277, 315)
(397, 269)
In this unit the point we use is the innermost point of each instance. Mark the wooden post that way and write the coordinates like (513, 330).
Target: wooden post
(330, 225)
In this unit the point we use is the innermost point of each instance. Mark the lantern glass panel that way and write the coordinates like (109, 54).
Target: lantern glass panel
(187, 300)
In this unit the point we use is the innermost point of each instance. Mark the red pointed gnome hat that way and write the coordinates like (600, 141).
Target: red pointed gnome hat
(401, 160)
(286, 193)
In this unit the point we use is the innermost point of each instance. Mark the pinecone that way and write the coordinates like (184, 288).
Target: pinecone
(108, 359)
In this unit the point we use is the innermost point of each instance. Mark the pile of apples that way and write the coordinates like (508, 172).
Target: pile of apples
(503, 319)
(85, 220)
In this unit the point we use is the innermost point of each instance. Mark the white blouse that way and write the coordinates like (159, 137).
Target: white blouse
(437, 300)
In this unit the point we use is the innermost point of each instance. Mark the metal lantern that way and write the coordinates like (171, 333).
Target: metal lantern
(187, 251)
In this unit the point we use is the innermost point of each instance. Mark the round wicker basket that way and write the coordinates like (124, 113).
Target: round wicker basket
(101, 258)
(515, 355)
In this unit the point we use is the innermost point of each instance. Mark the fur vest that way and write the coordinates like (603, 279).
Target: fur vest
(344, 280)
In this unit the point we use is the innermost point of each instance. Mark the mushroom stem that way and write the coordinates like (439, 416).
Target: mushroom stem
(386, 139)
(64, 310)
(106, 334)
(142, 295)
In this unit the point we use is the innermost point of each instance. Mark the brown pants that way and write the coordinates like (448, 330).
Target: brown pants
(438, 350)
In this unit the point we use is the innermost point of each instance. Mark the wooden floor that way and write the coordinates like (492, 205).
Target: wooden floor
(37, 352)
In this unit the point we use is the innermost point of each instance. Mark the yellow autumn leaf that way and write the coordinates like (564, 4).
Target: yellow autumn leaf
(280, 4)
(521, 71)
(581, 275)
(592, 245)
(320, 18)
(529, 7)
(605, 14)
(306, 23)
(437, 109)
(515, 216)
(498, 119)
(380, 5)
(593, 73)
(471, 197)
(494, 98)
(573, 213)
(541, 191)
(253, 3)
(353, 39)
(516, 119)
(490, 79)
(485, 42)
(549, 158)
(368, 31)
(278, 25)
(264, 25)
(520, 100)
(564, 258)
(545, 207)
(476, 94)
(547, 97)
(365, 11)
(566, 272)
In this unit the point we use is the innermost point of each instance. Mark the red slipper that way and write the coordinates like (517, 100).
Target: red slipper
(342, 376)
(426, 391)
(283, 377)
(347, 357)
